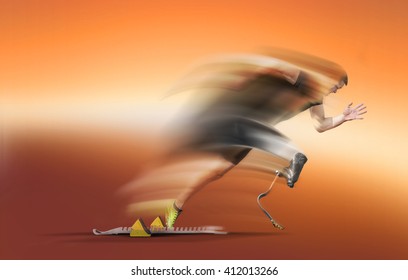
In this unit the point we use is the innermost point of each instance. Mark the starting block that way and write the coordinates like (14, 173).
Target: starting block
(139, 229)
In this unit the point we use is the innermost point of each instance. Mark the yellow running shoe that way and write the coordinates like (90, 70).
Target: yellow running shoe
(171, 215)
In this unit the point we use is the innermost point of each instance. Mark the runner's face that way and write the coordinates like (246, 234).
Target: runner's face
(337, 87)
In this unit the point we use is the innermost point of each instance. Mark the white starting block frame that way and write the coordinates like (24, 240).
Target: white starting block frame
(157, 228)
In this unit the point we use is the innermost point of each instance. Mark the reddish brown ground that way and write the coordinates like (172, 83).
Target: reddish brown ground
(56, 189)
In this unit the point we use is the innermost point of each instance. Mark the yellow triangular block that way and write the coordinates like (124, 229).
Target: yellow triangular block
(157, 223)
(139, 229)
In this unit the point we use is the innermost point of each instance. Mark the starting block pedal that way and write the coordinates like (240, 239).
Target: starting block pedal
(139, 229)
(157, 224)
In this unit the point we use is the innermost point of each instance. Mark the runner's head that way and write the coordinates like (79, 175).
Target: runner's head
(339, 85)
(328, 76)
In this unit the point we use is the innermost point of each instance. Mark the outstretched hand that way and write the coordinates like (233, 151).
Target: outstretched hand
(354, 113)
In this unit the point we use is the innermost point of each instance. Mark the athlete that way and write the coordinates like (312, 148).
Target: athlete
(250, 94)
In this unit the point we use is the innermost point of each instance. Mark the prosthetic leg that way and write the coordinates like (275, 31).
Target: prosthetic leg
(274, 223)
(291, 174)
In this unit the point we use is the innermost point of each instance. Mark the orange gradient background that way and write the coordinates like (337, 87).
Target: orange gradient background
(79, 88)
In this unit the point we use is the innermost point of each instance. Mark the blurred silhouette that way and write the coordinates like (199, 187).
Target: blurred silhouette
(233, 103)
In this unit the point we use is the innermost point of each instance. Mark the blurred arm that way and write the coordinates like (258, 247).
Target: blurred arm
(323, 123)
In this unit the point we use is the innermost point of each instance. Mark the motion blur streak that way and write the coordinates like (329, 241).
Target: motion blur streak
(233, 103)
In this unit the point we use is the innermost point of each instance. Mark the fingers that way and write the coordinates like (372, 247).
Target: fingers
(359, 106)
(360, 109)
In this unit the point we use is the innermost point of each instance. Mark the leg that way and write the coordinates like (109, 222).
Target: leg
(272, 141)
(209, 176)
(177, 179)
(228, 158)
